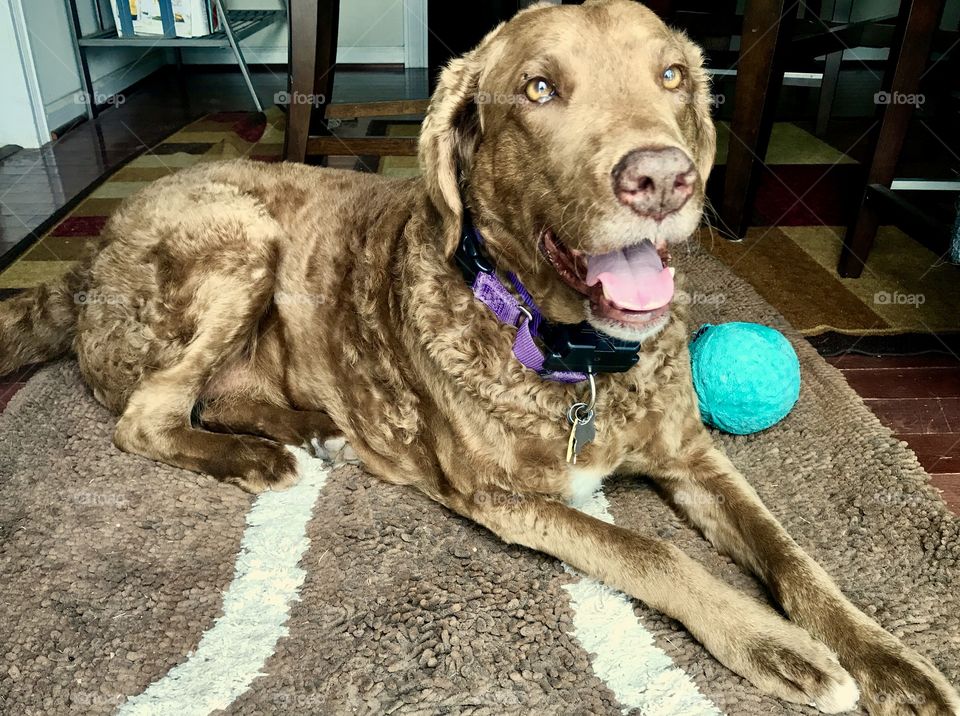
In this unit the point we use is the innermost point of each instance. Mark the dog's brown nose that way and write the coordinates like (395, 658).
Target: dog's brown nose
(654, 182)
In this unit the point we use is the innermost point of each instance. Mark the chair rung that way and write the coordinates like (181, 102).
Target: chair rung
(377, 109)
(362, 146)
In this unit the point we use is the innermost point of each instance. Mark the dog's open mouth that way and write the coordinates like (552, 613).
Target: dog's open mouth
(632, 285)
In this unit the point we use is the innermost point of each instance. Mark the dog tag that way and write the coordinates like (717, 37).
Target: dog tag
(583, 431)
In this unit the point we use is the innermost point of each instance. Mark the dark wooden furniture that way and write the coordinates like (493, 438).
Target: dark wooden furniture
(767, 29)
(773, 39)
(314, 26)
(918, 22)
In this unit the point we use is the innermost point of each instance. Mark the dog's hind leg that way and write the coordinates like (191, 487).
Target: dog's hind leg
(157, 420)
(706, 486)
(284, 425)
(314, 430)
(748, 637)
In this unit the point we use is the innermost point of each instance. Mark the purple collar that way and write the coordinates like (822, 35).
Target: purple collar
(481, 276)
(491, 291)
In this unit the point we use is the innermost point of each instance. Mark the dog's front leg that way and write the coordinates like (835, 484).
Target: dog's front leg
(704, 484)
(748, 637)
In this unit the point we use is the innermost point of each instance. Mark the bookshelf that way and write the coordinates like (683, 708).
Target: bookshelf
(237, 26)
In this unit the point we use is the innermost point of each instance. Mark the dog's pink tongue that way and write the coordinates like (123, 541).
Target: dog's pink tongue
(633, 278)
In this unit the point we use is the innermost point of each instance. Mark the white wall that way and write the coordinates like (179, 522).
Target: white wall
(371, 23)
(371, 31)
(48, 34)
(17, 125)
(48, 30)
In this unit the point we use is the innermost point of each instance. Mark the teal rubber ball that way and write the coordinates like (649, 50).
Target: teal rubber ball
(747, 376)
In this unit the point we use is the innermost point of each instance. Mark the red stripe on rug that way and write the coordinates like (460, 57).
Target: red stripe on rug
(230, 117)
(80, 226)
(808, 194)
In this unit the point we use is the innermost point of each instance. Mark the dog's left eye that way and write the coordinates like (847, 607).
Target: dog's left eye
(672, 77)
(540, 90)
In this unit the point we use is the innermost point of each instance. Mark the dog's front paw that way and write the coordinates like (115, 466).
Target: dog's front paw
(897, 680)
(783, 660)
(334, 451)
(265, 466)
(798, 668)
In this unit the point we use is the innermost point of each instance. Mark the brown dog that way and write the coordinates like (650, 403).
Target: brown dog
(238, 307)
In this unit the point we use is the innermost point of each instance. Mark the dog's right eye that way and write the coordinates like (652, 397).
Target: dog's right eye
(672, 77)
(540, 90)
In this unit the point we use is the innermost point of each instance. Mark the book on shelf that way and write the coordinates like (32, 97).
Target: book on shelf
(165, 18)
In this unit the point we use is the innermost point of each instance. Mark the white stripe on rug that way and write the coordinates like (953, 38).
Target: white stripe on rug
(639, 673)
(256, 606)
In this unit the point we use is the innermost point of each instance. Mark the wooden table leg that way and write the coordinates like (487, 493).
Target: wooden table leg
(314, 26)
(909, 55)
(767, 29)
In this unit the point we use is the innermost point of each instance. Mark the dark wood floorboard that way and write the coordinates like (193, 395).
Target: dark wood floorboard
(927, 360)
(917, 415)
(918, 397)
(919, 382)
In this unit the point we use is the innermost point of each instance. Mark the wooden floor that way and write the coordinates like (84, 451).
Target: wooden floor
(918, 397)
(38, 186)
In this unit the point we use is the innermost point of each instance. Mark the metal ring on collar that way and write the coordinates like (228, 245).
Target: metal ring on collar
(579, 412)
(526, 312)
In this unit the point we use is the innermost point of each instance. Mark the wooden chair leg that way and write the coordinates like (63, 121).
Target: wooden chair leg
(830, 10)
(767, 28)
(314, 28)
(861, 235)
(909, 55)
(828, 91)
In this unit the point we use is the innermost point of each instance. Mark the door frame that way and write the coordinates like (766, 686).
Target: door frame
(29, 70)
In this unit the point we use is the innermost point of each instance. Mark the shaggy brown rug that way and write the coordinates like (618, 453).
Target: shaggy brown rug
(125, 584)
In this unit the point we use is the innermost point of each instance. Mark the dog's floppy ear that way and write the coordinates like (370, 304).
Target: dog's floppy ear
(449, 135)
(706, 144)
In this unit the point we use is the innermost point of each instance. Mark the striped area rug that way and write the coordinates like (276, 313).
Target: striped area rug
(128, 587)
(224, 135)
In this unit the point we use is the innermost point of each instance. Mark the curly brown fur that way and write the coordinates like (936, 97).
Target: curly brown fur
(38, 324)
(253, 306)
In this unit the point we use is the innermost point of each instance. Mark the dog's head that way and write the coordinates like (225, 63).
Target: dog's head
(580, 138)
